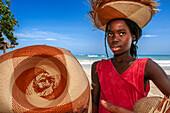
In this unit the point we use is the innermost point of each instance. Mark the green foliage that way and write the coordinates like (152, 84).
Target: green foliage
(7, 22)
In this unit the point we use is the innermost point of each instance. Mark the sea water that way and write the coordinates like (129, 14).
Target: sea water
(87, 60)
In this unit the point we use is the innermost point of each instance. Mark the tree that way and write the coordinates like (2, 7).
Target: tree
(7, 23)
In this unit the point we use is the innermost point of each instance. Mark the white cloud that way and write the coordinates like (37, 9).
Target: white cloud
(50, 39)
(38, 39)
(35, 34)
(23, 39)
(149, 35)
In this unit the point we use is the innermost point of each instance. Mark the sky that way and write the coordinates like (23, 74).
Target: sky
(62, 23)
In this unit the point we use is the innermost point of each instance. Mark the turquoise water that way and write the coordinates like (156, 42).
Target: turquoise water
(99, 57)
(162, 60)
(156, 57)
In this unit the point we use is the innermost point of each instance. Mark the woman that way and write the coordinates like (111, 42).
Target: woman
(123, 79)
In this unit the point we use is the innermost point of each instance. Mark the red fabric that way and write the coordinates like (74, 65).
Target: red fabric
(121, 90)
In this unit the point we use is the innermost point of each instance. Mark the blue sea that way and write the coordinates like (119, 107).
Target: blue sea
(87, 60)
(99, 57)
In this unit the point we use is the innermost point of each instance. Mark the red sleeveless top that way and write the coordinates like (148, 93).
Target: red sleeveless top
(121, 90)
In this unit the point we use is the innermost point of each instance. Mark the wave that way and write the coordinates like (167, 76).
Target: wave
(87, 62)
(92, 56)
(164, 63)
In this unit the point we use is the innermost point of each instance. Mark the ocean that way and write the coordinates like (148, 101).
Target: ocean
(87, 60)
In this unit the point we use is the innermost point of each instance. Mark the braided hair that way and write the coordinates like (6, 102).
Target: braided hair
(134, 29)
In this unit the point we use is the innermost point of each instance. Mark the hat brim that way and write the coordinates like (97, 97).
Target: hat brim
(42, 78)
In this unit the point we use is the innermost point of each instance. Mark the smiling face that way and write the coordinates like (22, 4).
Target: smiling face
(119, 37)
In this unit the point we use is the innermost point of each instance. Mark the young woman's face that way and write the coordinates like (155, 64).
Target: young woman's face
(119, 37)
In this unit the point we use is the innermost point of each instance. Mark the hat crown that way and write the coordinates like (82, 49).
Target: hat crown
(139, 11)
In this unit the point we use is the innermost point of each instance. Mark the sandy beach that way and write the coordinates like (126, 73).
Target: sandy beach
(154, 91)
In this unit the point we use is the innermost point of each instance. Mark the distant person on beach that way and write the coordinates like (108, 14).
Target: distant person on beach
(119, 82)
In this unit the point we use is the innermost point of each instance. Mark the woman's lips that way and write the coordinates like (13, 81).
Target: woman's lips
(115, 48)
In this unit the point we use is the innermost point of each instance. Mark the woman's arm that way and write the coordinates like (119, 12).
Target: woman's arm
(114, 109)
(96, 88)
(155, 73)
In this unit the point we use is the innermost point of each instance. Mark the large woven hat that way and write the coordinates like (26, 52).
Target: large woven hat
(140, 11)
(42, 79)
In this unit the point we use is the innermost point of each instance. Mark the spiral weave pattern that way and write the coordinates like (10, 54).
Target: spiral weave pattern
(42, 79)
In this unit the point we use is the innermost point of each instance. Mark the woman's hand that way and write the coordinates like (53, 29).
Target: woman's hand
(114, 109)
(83, 109)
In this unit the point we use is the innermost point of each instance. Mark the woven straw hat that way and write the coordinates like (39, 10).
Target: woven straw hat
(152, 105)
(42, 79)
(140, 11)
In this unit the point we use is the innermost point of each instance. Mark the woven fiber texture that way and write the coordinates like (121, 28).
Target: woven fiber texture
(144, 105)
(140, 11)
(42, 78)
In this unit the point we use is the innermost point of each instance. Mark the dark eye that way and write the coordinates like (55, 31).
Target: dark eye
(122, 33)
(109, 34)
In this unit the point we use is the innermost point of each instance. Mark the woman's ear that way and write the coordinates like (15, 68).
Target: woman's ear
(133, 38)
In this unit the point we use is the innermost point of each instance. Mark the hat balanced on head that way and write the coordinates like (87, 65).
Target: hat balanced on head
(140, 11)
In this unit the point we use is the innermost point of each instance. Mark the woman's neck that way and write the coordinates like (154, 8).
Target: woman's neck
(123, 57)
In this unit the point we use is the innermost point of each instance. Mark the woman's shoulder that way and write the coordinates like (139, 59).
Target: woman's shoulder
(100, 62)
(144, 59)
(152, 69)
(94, 65)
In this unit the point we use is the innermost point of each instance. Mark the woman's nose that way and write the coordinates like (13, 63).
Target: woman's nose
(115, 37)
